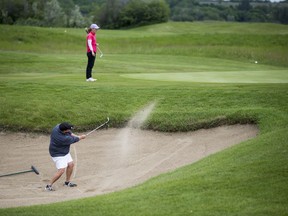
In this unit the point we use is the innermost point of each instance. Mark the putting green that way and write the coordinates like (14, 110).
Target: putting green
(271, 76)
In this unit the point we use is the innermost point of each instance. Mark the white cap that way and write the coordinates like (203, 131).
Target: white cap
(94, 26)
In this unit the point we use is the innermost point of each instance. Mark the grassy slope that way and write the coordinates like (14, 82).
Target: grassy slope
(248, 179)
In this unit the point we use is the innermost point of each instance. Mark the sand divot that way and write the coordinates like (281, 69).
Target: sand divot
(108, 160)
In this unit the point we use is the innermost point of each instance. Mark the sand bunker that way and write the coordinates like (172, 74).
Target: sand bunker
(108, 160)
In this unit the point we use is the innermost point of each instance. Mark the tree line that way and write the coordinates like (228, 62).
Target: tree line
(115, 14)
(233, 10)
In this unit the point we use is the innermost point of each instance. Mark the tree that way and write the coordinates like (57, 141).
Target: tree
(109, 14)
(158, 11)
(53, 14)
(281, 14)
(137, 13)
(76, 19)
(133, 13)
(11, 10)
(244, 5)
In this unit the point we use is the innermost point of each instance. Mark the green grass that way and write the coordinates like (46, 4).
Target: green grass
(276, 76)
(42, 82)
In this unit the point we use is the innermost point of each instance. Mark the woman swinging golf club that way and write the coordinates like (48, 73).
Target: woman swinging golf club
(59, 149)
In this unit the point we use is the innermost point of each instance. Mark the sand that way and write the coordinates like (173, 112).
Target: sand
(106, 161)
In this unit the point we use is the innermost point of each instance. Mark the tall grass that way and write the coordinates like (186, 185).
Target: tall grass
(42, 82)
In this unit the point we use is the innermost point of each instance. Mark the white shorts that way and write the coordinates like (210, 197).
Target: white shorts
(62, 162)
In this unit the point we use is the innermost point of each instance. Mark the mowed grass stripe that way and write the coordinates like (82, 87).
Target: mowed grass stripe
(276, 76)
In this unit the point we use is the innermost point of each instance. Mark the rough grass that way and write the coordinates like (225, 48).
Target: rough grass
(264, 42)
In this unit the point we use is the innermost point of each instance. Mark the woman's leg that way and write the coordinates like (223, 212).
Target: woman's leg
(90, 65)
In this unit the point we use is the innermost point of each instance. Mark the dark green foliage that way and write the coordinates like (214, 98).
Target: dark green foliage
(242, 11)
(115, 14)
(281, 14)
(137, 13)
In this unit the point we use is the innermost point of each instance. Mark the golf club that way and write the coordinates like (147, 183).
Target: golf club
(101, 53)
(33, 169)
(102, 125)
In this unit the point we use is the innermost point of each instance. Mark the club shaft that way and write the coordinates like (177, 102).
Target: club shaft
(105, 123)
(95, 129)
(100, 50)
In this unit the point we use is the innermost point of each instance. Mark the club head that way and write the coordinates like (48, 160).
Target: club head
(34, 170)
(101, 55)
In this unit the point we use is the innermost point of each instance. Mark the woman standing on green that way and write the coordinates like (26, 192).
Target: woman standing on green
(91, 45)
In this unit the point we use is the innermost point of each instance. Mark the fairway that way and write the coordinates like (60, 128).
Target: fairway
(277, 76)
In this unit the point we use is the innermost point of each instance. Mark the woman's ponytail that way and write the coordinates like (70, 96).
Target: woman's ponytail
(88, 30)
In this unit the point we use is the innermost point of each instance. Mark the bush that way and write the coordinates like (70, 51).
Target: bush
(135, 13)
